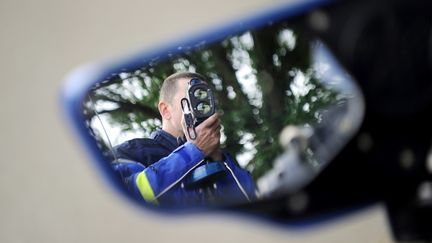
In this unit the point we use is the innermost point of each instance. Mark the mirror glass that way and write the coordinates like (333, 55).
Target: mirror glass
(286, 107)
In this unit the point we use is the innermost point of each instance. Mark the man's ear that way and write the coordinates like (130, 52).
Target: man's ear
(164, 111)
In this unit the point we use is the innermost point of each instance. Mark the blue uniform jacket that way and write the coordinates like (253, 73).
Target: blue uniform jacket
(154, 170)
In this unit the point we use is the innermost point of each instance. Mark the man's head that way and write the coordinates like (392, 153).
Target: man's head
(172, 91)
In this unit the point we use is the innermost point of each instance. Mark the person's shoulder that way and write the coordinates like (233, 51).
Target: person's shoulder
(137, 146)
(138, 143)
(143, 150)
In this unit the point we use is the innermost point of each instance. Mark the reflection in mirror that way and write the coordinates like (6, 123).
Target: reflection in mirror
(285, 108)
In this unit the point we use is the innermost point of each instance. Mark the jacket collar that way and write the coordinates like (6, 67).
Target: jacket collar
(166, 139)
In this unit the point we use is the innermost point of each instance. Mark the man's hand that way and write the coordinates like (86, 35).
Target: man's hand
(207, 137)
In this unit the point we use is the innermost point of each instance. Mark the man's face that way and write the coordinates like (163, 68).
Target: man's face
(175, 106)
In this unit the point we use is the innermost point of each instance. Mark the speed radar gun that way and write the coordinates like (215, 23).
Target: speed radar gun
(197, 106)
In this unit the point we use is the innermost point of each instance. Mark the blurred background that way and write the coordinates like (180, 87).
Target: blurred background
(50, 191)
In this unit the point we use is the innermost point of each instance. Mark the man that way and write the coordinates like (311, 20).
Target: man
(167, 160)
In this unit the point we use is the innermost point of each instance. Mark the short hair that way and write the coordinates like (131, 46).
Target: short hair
(169, 85)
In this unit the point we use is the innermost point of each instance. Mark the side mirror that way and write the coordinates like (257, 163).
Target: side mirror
(300, 139)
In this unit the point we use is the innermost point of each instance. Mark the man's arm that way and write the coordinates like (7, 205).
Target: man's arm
(157, 179)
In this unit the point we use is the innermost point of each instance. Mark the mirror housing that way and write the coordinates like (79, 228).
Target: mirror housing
(386, 159)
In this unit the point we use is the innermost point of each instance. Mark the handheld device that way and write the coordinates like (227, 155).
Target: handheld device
(198, 105)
